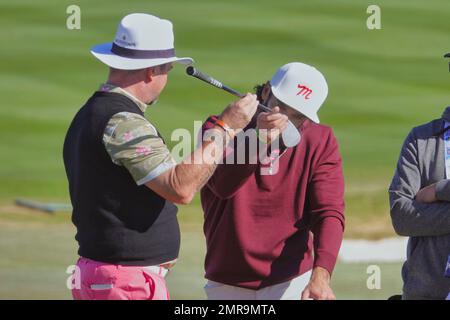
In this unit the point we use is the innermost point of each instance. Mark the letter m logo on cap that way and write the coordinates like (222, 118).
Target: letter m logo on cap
(305, 91)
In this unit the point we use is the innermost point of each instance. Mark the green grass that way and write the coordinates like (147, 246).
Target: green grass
(381, 82)
(37, 253)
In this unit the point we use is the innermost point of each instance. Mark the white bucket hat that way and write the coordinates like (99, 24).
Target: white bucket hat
(141, 41)
(301, 87)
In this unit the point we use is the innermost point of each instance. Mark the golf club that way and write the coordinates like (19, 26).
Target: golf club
(291, 136)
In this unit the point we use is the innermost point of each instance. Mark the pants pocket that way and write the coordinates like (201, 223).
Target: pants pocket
(157, 287)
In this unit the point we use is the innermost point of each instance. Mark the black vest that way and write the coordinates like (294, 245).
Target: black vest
(117, 221)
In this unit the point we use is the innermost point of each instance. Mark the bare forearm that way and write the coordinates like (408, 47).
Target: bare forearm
(195, 171)
(193, 176)
(179, 183)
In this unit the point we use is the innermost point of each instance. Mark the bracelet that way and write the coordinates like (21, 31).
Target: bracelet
(222, 125)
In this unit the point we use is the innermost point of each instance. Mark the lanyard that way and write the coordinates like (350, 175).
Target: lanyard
(447, 270)
(447, 149)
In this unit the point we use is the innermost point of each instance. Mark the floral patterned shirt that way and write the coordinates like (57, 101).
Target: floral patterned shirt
(133, 142)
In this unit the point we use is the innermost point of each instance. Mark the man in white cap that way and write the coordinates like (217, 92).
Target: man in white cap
(123, 181)
(276, 233)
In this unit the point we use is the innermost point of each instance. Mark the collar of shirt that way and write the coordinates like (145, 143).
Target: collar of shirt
(107, 87)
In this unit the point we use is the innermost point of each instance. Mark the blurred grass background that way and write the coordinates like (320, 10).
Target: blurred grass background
(382, 83)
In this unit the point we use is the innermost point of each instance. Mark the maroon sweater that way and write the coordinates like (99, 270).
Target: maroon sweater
(262, 230)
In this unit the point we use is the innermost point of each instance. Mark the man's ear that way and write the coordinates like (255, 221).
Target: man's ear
(265, 92)
(149, 72)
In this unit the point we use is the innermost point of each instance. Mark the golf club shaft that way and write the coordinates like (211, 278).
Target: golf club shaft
(216, 83)
(290, 136)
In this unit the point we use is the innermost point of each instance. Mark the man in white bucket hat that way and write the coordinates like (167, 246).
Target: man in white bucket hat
(141, 41)
(123, 181)
(274, 230)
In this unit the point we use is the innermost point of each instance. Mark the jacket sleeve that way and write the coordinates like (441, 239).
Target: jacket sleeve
(443, 190)
(409, 217)
(326, 200)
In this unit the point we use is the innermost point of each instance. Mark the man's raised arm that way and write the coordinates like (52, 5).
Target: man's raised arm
(180, 183)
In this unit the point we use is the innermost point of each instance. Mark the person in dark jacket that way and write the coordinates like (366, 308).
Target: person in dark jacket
(419, 197)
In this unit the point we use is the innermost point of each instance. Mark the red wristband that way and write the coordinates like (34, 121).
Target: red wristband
(221, 124)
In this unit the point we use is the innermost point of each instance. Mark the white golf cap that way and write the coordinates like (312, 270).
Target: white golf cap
(141, 41)
(301, 87)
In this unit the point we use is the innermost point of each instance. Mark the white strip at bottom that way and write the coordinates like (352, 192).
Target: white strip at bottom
(384, 250)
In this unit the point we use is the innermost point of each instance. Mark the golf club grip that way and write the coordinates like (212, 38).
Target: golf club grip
(204, 77)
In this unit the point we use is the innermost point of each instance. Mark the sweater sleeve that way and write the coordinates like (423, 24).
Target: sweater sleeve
(409, 217)
(227, 179)
(326, 199)
(225, 187)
